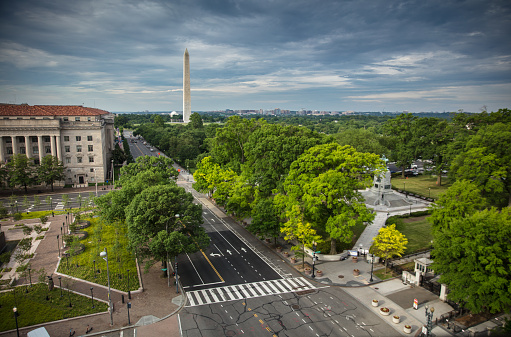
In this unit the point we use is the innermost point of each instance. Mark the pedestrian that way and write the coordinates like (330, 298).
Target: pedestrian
(71, 332)
(88, 329)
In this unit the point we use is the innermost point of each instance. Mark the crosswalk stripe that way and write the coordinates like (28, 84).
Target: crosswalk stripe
(247, 290)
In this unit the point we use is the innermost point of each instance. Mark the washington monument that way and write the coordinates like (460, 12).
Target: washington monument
(187, 104)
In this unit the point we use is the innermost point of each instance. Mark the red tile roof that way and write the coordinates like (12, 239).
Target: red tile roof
(48, 110)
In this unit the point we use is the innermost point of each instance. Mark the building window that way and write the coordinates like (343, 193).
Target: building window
(78, 159)
(92, 170)
(47, 149)
(67, 148)
(22, 150)
(21, 139)
(78, 148)
(65, 119)
(66, 138)
(9, 150)
(77, 119)
(91, 148)
(35, 149)
(8, 140)
(78, 138)
(34, 139)
(68, 160)
(89, 138)
(91, 159)
(88, 119)
(46, 139)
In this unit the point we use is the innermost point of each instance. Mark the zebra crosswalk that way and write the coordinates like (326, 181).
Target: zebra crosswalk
(247, 290)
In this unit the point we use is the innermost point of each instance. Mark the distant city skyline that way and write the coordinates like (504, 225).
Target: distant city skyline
(366, 55)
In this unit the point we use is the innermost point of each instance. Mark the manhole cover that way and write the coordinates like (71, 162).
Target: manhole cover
(341, 276)
(295, 306)
(230, 333)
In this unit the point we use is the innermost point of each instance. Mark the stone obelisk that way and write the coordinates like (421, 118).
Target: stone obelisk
(187, 104)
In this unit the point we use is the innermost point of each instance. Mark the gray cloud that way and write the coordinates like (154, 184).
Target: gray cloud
(334, 55)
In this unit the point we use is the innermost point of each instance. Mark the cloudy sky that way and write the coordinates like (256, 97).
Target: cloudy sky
(126, 55)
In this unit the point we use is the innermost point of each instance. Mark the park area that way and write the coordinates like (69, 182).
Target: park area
(80, 244)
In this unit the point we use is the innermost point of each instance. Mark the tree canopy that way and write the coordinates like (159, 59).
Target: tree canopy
(389, 243)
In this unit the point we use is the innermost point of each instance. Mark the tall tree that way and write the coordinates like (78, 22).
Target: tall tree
(389, 243)
(270, 151)
(362, 140)
(324, 182)
(298, 229)
(473, 256)
(21, 171)
(50, 170)
(228, 147)
(486, 161)
(401, 140)
(151, 217)
(196, 121)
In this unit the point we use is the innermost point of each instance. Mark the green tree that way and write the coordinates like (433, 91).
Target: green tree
(154, 210)
(270, 151)
(324, 182)
(362, 140)
(265, 219)
(196, 121)
(401, 140)
(21, 172)
(389, 243)
(486, 162)
(228, 147)
(297, 229)
(473, 255)
(65, 200)
(158, 121)
(50, 170)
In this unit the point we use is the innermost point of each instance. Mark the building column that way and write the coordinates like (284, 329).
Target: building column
(59, 149)
(14, 145)
(41, 148)
(28, 149)
(52, 144)
(2, 154)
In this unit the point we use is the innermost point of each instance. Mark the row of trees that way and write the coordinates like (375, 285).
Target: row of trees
(21, 171)
(288, 179)
(161, 219)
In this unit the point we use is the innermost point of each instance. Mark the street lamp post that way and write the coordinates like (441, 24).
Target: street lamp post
(313, 259)
(372, 261)
(30, 276)
(15, 310)
(128, 305)
(92, 297)
(16, 206)
(58, 244)
(429, 317)
(51, 204)
(129, 292)
(60, 285)
(404, 188)
(94, 261)
(104, 255)
(69, 296)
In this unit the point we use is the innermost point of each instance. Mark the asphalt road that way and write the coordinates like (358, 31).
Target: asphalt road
(319, 312)
(233, 289)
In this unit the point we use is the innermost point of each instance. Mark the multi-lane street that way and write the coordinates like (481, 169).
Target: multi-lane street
(234, 288)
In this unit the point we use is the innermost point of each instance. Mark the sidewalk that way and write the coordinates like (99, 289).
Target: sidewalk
(157, 299)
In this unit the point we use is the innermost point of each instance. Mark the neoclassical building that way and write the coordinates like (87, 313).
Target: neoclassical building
(82, 138)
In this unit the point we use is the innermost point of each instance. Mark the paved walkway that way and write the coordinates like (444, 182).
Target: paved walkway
(156, 299)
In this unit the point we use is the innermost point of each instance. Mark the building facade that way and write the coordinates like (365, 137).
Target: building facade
(81, 138)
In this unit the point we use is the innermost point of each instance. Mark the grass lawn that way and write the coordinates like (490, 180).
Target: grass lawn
(418, 232)
(114, 238)
(421, 185)
(380, 273)
(33, 308)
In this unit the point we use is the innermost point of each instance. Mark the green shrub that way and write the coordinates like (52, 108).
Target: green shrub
(40, 237)
(43, 219)
(27, 230)
(3, 212)
(38, 229)
(18, 216)
(22, 268)
(5, 257)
